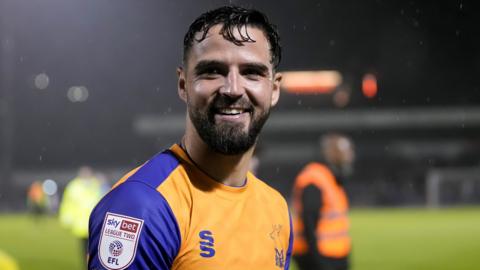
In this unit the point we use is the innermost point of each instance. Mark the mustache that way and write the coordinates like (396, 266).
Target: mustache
(222, 101)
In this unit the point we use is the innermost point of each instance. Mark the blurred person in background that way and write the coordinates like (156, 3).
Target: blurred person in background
(36, 200)
(79, 198)
(320, 204)
(196, 205)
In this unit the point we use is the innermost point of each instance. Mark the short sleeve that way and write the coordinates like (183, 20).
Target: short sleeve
(133, 226)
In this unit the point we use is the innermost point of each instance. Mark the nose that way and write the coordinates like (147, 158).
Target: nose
(233, 86)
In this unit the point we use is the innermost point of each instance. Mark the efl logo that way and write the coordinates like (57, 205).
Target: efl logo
(129, 226)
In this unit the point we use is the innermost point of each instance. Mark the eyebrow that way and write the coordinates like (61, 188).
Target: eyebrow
(209, 63)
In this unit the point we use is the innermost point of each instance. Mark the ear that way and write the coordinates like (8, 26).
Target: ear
(182, 92)
(277, 78)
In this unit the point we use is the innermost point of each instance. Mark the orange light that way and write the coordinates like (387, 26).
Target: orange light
(311, 82)
(369, 85)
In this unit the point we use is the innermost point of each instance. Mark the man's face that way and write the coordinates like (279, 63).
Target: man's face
(229, 89)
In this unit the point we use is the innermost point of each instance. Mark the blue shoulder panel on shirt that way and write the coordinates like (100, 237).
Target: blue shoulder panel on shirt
(159, 239)
(156, 170)
(290, 243)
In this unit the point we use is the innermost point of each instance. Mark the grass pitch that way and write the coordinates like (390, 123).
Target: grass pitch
(39, 244)
(416, 239)
(383, 239)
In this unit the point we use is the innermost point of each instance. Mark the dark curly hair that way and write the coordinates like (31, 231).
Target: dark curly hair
(233, 19)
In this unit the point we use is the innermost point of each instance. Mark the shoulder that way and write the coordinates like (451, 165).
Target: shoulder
(273, 196)
(138, 192)
(137, 202)
(315, 167)
(156, 170)
(131, 197)
(314, 173)
(138, 189)
(153, 172)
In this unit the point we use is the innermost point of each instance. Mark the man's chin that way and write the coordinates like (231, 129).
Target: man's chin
(232, 129)
(231, 142)
(232, 149)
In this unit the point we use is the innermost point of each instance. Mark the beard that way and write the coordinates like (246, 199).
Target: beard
(226, 137)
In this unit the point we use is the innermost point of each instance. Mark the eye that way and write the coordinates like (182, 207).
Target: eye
(254, 72)
(212, 70)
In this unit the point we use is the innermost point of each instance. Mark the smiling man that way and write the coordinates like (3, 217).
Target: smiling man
(196, 205)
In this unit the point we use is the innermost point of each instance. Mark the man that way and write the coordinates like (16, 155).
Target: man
(196, 206)
(321, 205)
(36, 200)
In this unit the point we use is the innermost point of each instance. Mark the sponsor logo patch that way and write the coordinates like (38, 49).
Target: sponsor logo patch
(119, 240)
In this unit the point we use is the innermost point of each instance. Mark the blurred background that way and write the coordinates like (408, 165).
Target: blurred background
(94, 83)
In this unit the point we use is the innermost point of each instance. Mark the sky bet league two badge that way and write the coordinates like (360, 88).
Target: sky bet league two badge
(119, 240)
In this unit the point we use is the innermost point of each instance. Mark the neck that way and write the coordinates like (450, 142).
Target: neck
(230, 170)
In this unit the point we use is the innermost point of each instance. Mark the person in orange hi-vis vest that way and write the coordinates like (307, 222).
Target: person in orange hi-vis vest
(320, 208)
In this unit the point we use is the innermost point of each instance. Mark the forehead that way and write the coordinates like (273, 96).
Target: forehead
(216, 47)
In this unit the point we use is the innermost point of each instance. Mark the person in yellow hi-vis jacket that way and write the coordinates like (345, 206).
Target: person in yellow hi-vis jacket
(79, 198)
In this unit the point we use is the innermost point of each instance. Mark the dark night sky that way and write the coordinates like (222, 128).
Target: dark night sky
(425, 53)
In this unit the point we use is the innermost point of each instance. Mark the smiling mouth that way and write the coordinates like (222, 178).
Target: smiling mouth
(231, 111)
(234, 115)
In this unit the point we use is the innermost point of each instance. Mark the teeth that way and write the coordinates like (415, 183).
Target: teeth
(231, 111)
